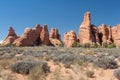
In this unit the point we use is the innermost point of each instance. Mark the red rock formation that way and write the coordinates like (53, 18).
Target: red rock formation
(55, 34)
(95, 35)
(70, 39)
(85, 33)
(109, 40)
(29, 37)
(103, 33)
(10, 37)
(55, 38)
(116, 35)
(44, 36)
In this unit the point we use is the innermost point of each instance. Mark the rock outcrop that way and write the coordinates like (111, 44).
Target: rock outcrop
(11, 37)
(44, 36)
(109, 40)
(103, 33)
(86, 33)
(55, 37)
(70, 39)
(29, 37)
(116, 34)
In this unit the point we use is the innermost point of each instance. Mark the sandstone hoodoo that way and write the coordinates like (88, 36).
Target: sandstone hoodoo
(70, 38)
(84, 35)
(44, 36)
(30, 37)
(55, 37)
(11, 37)
(116, 34)
(34, 37)
(88, 33)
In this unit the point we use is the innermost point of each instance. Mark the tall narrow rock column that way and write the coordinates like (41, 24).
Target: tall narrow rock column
(44, 36)
(85, 34)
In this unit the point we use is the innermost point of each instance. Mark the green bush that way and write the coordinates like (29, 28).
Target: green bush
(9, 45)
(111, 45)
(104, 45)
(76, 44)
(95, 45)
(86, 45)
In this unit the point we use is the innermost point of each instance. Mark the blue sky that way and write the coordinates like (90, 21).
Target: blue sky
(65, 15)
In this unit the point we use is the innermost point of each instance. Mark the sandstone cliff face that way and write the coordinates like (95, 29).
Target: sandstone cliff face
(29, 37)
(11, 37)
(55, 38)
(70, 38)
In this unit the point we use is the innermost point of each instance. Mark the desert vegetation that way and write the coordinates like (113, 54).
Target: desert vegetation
(59, 63)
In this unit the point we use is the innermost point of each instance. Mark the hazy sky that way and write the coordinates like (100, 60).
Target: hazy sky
(62, 14)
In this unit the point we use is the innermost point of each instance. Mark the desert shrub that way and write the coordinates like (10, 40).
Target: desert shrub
(9, 45)
(89, 73)
(104, 45)
(76, 44)
(7, 55)
(25, 66)
(86, 45)
(116, 73)
(83, 58)
(33, 53)
(111, 45)
(65, 58)
(95, 45)
(105, 63)
(37, 73)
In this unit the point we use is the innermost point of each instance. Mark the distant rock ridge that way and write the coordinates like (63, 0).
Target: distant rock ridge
(88, 33)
